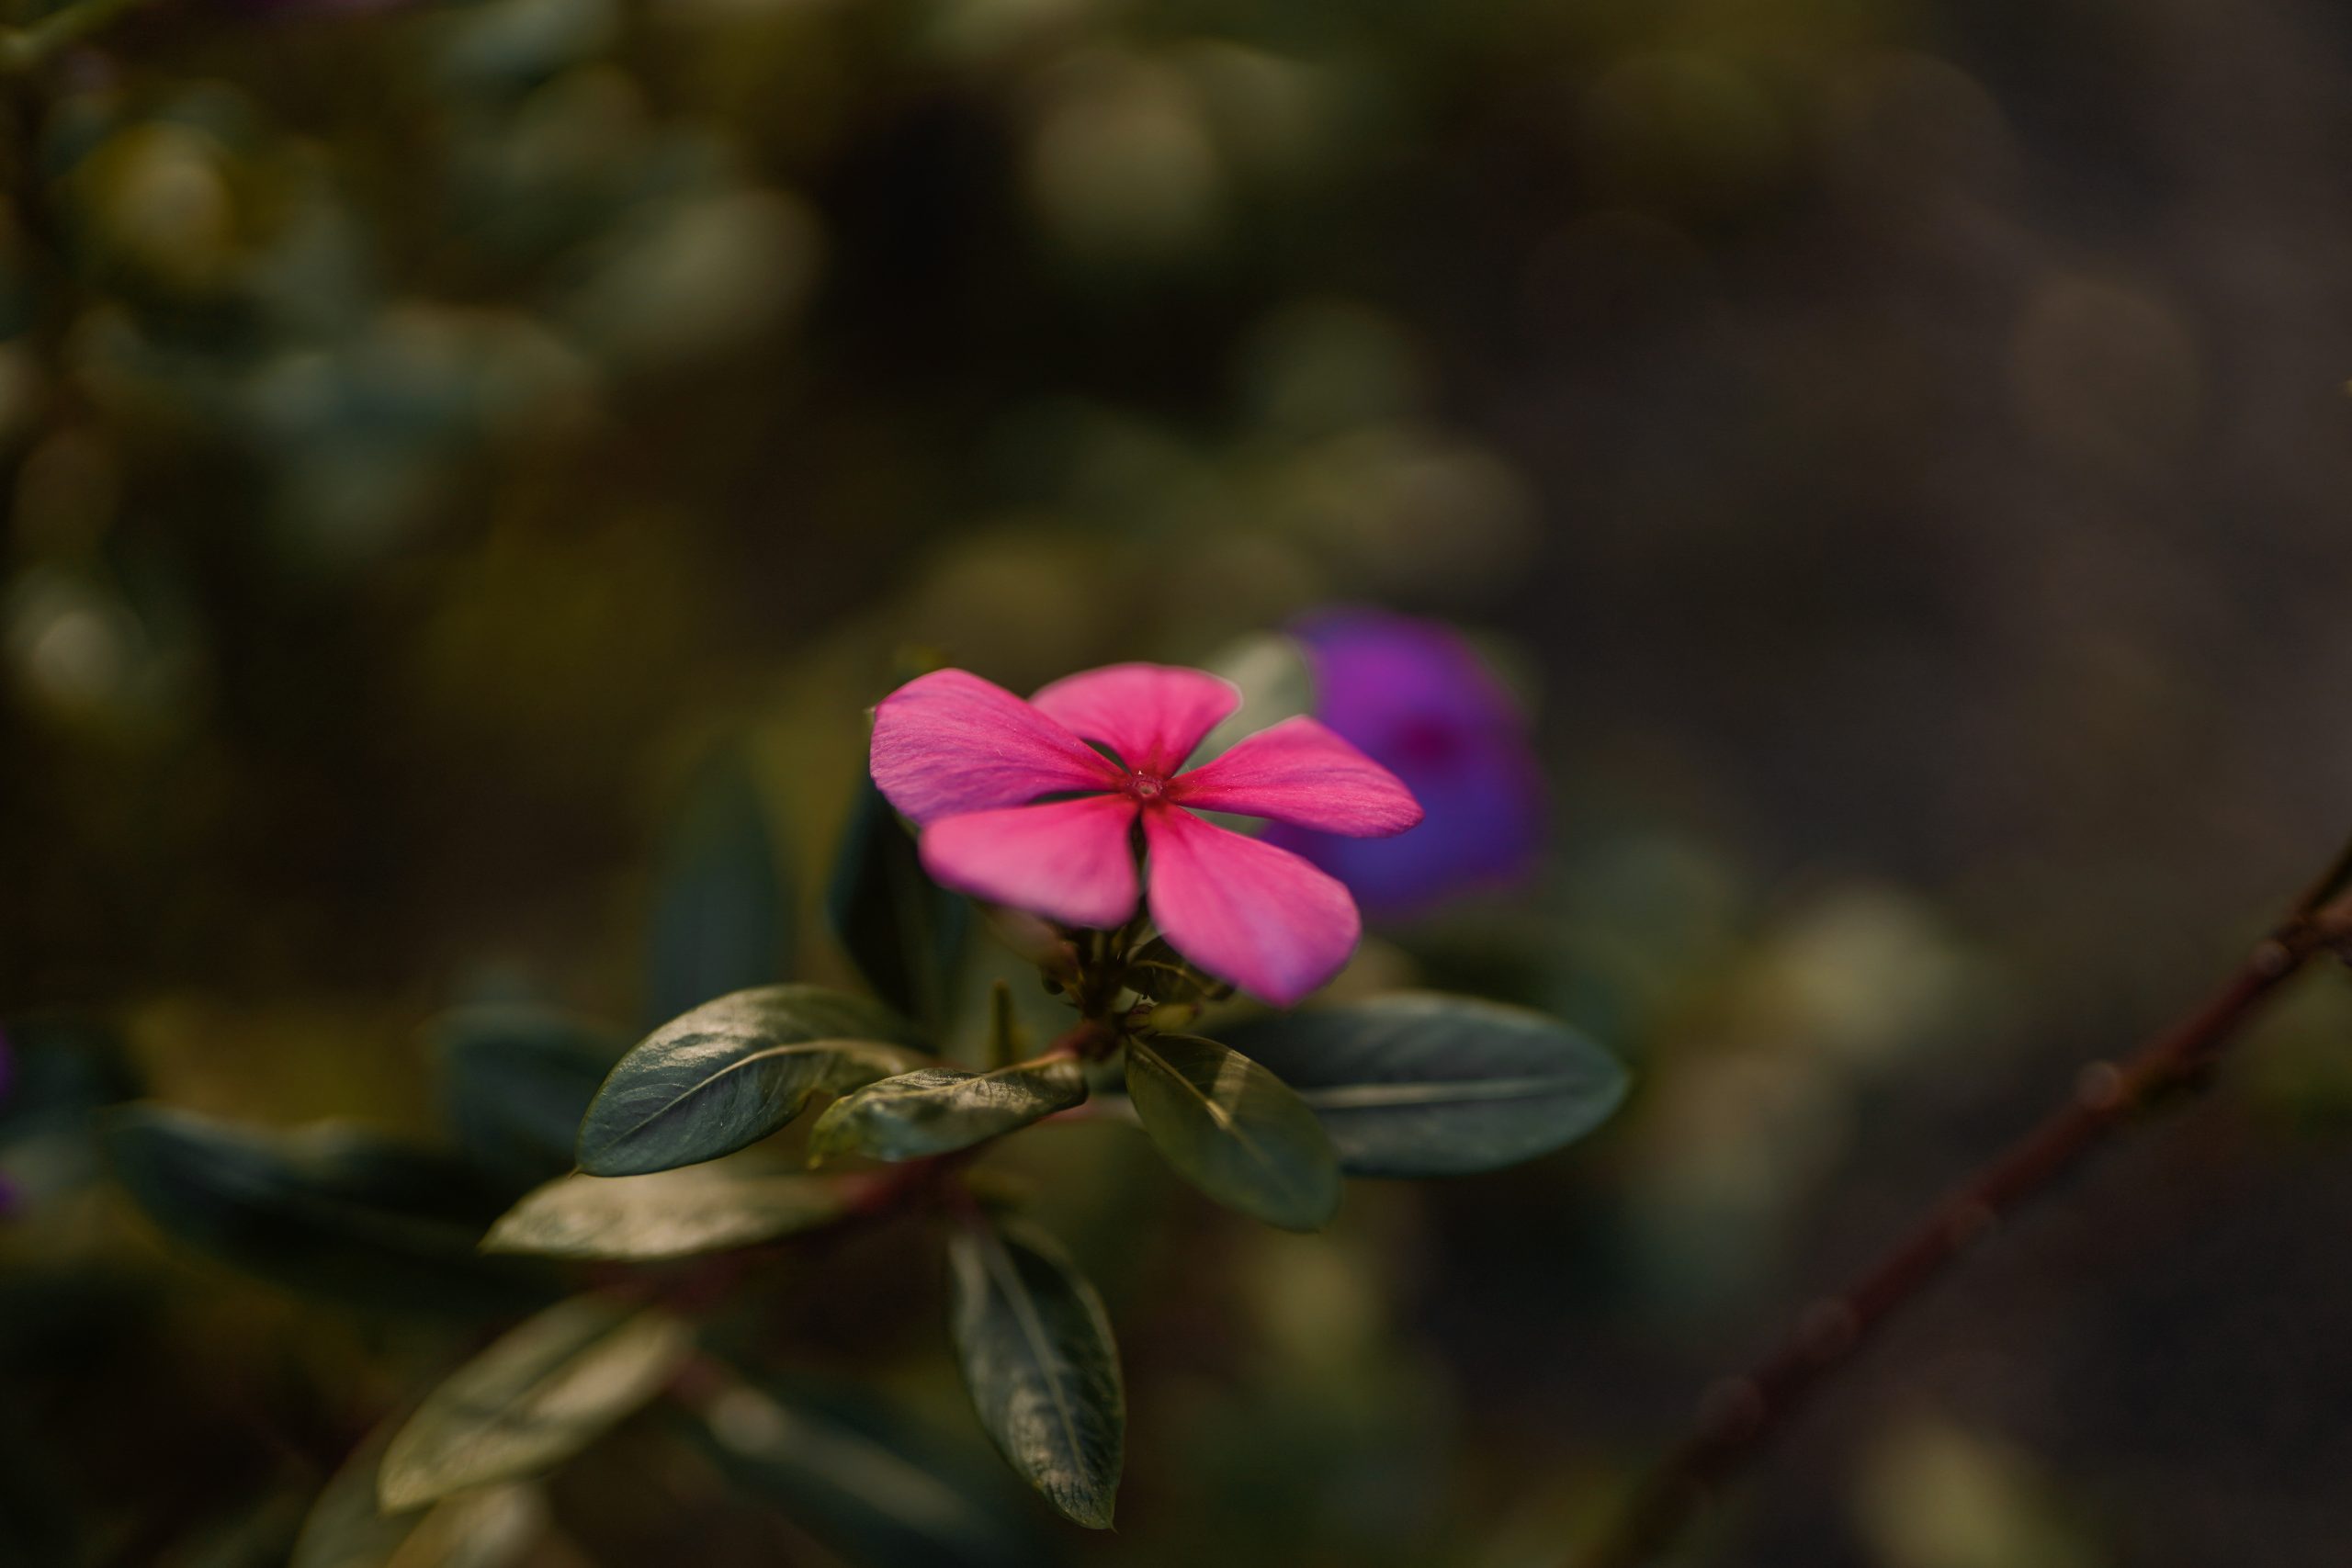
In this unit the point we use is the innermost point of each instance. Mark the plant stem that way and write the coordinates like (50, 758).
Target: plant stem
(1738, 1414)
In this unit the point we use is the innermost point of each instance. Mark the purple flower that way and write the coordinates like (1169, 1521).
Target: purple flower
(1412, 697)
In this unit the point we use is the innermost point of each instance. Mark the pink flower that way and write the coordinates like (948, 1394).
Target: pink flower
(1017, 808)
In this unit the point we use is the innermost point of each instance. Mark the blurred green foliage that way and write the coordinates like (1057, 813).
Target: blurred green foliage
(1900, 443)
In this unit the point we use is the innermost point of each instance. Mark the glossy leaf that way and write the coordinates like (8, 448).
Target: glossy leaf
(903, 930)
(515, 1083)
(536, 1397)
(1234, 1130)
(670, 1214)
(484, 1528)
(1040, 1364)
(328, 1209)
(868, 1482)
(722, 915)
(734, 1070)
(936, 1110)
(1427, 1085)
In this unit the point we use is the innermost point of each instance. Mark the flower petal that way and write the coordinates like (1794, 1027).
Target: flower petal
(1151, 714)
(950, 742)
(1300, 773)
(1070, 860)
(1246, 911)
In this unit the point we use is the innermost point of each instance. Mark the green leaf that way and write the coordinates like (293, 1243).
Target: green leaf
(542, 1392)
(1041, 1366)
(722, 916)
(327, 1210)
(732, 1071)
(515, 1083)
(1235, 1130)
(1421, 1084)
(903, 930)
(484, 1528)
(936, 1110)
(869, 1483)
(670, 1214)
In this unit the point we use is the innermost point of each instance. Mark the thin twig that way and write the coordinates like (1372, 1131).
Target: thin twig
(1736, 1416)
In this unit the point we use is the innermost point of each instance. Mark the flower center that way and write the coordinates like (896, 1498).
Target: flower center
(1145, 786)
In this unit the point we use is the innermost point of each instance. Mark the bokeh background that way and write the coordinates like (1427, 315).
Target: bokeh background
(1897, 449)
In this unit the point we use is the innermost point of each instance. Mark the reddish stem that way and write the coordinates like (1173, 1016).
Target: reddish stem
(1739, 1413)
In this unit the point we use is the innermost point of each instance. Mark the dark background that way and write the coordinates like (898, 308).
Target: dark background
(1898, 447)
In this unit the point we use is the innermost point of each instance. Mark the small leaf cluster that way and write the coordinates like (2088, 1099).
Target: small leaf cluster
(622, 1199)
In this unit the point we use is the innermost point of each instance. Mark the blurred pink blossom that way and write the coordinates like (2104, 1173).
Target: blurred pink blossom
(1016, 808)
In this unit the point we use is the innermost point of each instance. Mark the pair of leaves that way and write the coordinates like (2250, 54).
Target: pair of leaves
(668, 1213)
(328, 1209)
(1038, 1358)
(543, 1392)
(734, 1070)
(937, 1111)
(486, 1528)
(449, 1481)
(1406, 1085)
(1421, 1084)
(1412, 1085)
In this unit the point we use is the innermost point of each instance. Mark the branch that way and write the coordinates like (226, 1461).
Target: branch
(1738, 1414)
